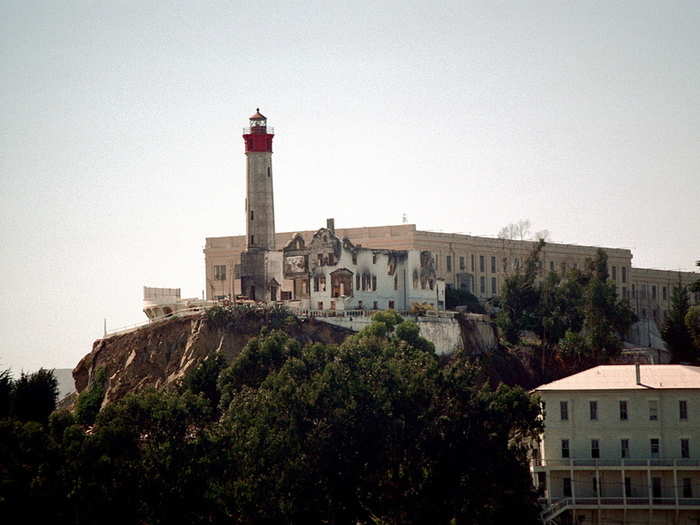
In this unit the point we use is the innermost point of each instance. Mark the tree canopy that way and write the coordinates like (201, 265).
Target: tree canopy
(374, 430)
(578, 311)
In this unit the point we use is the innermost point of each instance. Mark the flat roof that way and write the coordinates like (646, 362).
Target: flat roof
(623, 377)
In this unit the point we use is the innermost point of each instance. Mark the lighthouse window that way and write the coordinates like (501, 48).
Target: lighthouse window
(251, 215)
(268, 171)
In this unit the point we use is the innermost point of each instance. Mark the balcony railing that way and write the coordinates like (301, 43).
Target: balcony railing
(626, 462)
(618, 500)
(269, 130)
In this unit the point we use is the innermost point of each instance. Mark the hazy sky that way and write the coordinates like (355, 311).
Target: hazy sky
(120, 146)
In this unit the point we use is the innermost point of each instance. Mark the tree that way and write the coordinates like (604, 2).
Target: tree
(516, 230)
(35, 396)
(90, 400)
(374, 430)
(692, 323)
(202, 379)
(520, 298)
(6, 385)
(456, 297)
(605, 317)
(674, 331)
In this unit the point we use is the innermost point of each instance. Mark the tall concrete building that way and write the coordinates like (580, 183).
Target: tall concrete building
(259, 255)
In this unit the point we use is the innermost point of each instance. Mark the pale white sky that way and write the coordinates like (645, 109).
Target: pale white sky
(120, 147)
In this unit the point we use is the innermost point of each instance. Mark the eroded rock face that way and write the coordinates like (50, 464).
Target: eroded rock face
(159, 354)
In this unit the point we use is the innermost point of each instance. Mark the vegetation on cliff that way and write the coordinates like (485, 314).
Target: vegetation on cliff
(374, 430)
(578, 314)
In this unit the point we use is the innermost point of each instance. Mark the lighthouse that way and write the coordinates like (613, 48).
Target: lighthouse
(256, 281)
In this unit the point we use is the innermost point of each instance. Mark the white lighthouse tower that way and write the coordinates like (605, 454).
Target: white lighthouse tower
(256, 281)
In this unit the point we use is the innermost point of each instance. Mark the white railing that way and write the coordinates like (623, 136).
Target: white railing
(134, 327)
(626, 462)
(555, 509)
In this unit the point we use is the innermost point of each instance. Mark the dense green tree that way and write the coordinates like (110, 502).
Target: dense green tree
(455, 297)
(34, 396)
(6, 386)
(520, 298)
(90, 400)
(374, 429)
(606, 318)
(692, 324)
(202, 379)
(674, 331)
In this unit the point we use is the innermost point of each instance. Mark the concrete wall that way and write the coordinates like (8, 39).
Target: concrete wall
(448, 335)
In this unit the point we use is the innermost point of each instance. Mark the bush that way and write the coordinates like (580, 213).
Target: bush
(90, 401)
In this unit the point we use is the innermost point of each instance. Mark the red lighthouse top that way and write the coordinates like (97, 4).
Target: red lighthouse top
(258, 137)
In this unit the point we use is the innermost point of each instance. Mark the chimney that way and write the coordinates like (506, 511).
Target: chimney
(330, 224)
(638, 372)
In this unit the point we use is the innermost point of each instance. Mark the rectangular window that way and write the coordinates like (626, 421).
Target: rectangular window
(482, 284)
(685, 448)
(252, 215)
(219, 272)
(653, 410)
(564, 410)
(461, 262)
(628, 487)
(493, 264)
(374, 283)
(494, 287)
(595, 486)
(357, 281)
(623, 410)
(595, 448)
(565, 448)
(624, 448)
(252, 239)
(624, 274)
(567, 487)
(687, 488)
(624, 292)
(683, 409)
(320, 305)
(653, 291)
(448, 263)
(634, 291)
(375, 305)
(614, 273)
(551, 266)
(391, 305)
(472, 261)
(396, 282)
(654, 447)
(664, 293)
(374, 258)
(656, 487)
(482, 267)
(593, 410)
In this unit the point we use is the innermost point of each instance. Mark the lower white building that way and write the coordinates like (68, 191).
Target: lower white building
(621, 445)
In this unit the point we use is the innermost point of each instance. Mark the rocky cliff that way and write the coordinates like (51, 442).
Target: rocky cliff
(161, 353)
